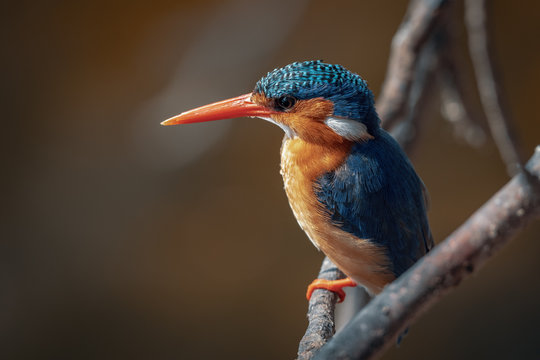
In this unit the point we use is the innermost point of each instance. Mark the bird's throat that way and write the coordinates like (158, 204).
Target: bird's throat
(301, 164)
(311, 160)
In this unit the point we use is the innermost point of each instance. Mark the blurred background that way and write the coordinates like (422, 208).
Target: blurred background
(123, 239)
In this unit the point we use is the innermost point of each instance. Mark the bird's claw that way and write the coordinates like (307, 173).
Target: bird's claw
(335, 286)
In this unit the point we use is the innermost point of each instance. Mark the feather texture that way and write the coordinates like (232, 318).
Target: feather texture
(376, 195)
(347, 91)
(302, 163)
(352, 130)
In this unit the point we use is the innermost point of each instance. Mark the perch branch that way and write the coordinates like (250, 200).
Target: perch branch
(320, 314)
(378, 324)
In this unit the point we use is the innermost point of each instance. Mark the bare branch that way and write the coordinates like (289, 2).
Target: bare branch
(463, 252)
(406, 130)
(456, 104)
(321, 325)
(421, 17)
(455, 108)
(475, 16)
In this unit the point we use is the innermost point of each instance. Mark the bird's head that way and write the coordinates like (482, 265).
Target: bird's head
(312, 100)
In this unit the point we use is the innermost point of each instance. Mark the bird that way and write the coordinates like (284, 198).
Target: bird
(350, 186)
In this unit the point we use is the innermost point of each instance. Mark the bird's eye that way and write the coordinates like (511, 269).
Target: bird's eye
(285, 102)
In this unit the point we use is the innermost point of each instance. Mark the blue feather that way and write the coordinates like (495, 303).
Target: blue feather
(312, 79)
(376, 195)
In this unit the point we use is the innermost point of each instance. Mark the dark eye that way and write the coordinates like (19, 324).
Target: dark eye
(285, 102)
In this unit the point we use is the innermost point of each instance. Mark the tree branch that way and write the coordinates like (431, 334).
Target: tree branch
(463, 252)
(422, 16)
(406, 131)
(320, 314)
(456, 101)
(490, 94)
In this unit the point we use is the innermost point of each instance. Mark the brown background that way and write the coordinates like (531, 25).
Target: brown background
(122, 239)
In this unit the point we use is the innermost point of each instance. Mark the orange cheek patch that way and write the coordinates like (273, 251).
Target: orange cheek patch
(307, 118)
(317, 108)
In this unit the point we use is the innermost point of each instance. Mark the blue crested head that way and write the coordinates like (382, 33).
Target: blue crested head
(348, 92)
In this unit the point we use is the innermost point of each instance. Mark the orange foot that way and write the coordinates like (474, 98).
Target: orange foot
(331, 285)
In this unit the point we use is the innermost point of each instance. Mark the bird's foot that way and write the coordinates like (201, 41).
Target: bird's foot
(331, 285)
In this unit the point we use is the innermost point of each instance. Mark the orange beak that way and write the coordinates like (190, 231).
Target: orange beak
(227, 109)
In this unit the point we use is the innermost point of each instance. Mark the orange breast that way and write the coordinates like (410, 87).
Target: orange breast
(301, 164)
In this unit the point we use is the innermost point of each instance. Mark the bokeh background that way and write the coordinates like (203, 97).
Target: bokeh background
(122, 239)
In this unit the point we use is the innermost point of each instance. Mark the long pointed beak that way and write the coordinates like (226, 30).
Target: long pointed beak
(227, 109)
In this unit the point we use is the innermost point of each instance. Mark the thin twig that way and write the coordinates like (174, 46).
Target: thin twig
(322, 304)
(461, 254)
(456, 101)
(454, 108)
(422, 16)
(406, 131)
(490, 94)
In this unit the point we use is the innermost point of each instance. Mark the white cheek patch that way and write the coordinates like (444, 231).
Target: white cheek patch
(352, 130)
(288, 131)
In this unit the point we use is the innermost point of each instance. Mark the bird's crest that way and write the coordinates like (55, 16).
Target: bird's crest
(349, 93)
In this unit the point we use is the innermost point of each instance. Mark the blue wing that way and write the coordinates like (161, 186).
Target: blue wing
(376, 195)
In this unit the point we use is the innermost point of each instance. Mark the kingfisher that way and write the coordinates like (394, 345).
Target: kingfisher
(349, 184)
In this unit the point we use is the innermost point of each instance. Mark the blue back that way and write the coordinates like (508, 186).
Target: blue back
(376, 195)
